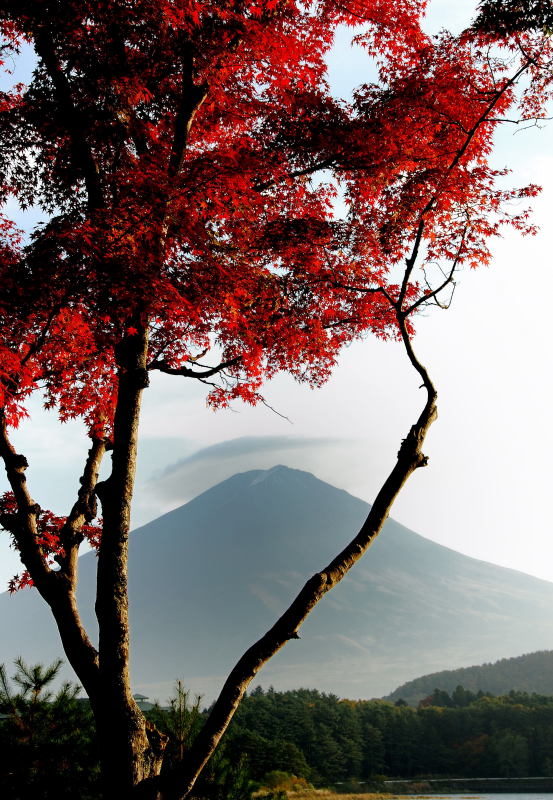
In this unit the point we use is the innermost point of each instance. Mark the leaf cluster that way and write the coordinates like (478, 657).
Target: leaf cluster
(190, 155)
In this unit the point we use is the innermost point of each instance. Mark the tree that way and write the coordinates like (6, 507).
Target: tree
(511, 16)
(180, 722)
(511, 752)
(46, 739)
(188, 153)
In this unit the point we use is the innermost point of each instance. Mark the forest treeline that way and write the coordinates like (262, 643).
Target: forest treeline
(328, 740)
(48, 749)
(532, 672)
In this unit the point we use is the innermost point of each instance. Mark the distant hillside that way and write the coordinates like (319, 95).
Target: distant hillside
(528, 673)
(210, 577)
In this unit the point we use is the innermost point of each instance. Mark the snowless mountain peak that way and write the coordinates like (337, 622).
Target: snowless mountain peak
(210, 577)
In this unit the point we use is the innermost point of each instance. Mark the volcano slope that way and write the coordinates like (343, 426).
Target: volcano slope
(211, 576)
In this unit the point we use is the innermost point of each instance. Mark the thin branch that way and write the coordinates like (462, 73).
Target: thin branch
(366, 290)
(445, 305)
(179, 782)
(325, 164)
(344, 7)
(36, 346)
(282, 416)
(343, 321)
(83, 511)
(448, 279)
(484, 117)
(186, 372)
(533, 121)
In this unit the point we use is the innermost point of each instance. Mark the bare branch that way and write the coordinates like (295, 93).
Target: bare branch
(282, 416)
(83, 511)
(186, 372)
(324, 164)
(58, 593)
(448, 279)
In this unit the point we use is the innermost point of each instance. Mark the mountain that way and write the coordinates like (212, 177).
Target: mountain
(530, 673)
(208, 578)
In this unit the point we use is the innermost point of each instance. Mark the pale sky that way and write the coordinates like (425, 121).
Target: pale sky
(486, 491)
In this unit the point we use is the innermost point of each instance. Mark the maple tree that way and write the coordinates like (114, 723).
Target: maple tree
(506, 17)
(189, 155)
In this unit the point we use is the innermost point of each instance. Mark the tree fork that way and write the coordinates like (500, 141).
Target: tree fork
(56, 588)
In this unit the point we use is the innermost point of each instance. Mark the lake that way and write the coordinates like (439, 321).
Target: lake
(479, 796)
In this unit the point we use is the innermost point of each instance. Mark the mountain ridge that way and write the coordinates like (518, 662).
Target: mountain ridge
(208, 578)
(267, 473)
(530, 672)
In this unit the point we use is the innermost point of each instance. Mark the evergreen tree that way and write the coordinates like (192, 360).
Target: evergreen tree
(46, 740)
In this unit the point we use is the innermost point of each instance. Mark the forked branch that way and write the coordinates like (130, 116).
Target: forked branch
(432, 294)
(178, 783)
(54, 587)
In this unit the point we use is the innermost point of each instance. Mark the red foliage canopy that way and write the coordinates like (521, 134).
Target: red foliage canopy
(191, 159)
(206, 194)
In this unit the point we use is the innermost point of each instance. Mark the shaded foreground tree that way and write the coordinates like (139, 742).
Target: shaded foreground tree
(46, 739)
(188, 154)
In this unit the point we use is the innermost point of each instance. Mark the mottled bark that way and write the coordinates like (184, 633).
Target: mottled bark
(131, 749)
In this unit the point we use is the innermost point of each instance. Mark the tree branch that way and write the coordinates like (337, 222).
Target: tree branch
(178, 783)
(366, 290)
(41, 338)
(448, 280)
(56, 590)
(74, 121)
(192, 97)
(327, 162)
(186, 372)
(83, 511)
(484, 117)
(23, 525)
(411, 260)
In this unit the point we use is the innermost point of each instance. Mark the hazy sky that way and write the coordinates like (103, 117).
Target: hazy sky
(487, 487)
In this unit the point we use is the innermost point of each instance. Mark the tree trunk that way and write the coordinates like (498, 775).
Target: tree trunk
(131, 749)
